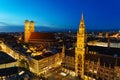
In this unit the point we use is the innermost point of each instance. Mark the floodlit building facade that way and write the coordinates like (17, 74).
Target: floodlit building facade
(44, 63)
(84, 60)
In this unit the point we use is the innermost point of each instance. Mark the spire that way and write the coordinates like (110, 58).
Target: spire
(82, 16)
(63, 51)
(82, 24)
(63, 48)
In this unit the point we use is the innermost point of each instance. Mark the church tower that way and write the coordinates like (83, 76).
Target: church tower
(63, 51)
(26, 31)
(32, 29)
(80, 49)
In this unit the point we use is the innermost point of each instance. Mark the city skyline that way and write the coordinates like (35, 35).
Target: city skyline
(59, 14)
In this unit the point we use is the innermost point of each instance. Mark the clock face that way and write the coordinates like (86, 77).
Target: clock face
(79, 57)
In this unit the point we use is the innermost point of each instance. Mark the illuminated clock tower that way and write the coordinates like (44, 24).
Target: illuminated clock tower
(80, 49)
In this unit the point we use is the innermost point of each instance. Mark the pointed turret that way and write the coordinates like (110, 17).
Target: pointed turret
(63, 51)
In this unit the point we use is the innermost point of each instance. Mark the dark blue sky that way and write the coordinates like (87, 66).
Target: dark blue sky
(60, 14)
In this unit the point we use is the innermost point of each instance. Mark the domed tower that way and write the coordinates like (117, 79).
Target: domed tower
(32, 29)
(26, 31)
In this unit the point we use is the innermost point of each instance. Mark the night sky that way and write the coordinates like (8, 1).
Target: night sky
(59, 14)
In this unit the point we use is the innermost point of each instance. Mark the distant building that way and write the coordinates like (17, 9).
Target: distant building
(105, 42)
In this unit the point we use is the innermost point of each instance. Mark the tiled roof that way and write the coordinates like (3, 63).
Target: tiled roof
(41, 36)
(44, 55)
(105, 50)
(5, 58)
(105, 60)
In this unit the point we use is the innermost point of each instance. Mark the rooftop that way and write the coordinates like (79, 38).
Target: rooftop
(105, 60)
(41, 36)
(5, 58)
(44, 55)
(105, 50)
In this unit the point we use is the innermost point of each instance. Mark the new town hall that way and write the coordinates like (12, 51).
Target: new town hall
(92, 62)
